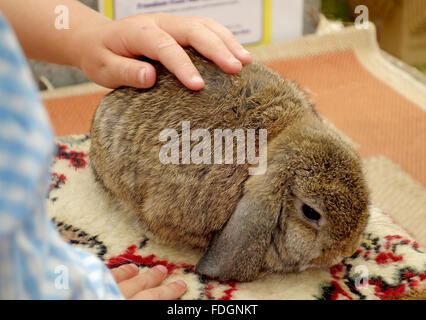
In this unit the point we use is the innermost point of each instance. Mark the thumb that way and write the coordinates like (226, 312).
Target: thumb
(122, 71)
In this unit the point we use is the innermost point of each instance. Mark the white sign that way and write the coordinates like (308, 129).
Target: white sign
(247, 27)
(251, 21)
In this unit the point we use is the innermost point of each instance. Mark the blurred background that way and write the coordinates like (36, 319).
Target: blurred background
(400, 24)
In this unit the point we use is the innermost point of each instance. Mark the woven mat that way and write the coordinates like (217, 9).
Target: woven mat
(372, 103)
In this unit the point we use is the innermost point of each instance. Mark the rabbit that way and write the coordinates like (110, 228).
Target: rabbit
(308, 210)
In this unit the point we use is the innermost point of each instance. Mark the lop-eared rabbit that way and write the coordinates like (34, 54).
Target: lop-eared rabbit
(308, 209)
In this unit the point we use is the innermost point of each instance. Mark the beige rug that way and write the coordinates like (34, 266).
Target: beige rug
(373, 103)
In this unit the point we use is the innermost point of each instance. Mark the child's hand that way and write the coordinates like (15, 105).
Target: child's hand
(146, 286)
(107, 52)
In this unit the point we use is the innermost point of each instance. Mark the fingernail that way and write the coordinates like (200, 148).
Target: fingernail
(181, 283)
(195, 79)
(141, 76)
(244, 52)
(162, 268)
(235, 61)
(132, 266)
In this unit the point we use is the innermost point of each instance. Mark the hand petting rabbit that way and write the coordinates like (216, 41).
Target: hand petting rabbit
(307, 210)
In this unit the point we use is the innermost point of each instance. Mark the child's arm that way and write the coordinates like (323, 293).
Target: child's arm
(35, 262)
(105, 50)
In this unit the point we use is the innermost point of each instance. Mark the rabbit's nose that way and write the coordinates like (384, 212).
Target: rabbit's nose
(350, 251)
(337, 260)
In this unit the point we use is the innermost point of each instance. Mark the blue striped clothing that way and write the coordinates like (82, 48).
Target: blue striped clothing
(35, 263)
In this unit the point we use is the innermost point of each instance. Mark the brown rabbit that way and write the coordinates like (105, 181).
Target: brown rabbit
(308, 209)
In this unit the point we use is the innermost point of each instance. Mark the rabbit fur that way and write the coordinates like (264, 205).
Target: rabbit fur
(245, 224)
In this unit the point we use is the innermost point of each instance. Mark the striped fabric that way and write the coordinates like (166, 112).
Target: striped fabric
(35, 263)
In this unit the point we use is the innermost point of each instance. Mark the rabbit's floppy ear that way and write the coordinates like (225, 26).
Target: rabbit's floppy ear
(237, 251)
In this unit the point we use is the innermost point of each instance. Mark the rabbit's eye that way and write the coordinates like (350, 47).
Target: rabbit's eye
(310, 213)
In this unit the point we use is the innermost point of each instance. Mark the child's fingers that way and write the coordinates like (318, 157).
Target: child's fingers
(160, 37)
(171, 291)
(122, 71)
(159, 45)
(147, 280)
(191, 32)
(228, 38)
(124, 272)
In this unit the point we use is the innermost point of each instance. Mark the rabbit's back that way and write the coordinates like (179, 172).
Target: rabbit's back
(185, 202)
